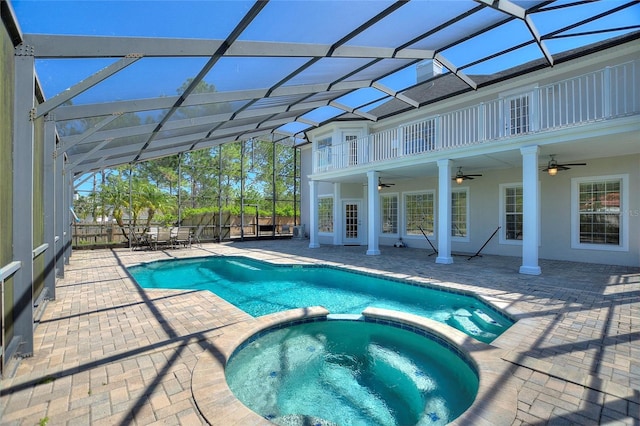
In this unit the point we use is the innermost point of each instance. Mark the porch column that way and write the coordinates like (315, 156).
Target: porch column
(313, 214)
(530, 209)
(373, 213)
(337, 214)
(444, 212)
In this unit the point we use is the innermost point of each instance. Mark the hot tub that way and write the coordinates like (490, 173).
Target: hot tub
(352, 370)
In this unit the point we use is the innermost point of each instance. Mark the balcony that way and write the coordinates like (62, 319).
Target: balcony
(605, 94)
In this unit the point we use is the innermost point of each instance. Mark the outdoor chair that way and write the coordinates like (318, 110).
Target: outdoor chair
(138, 241)
(163, 238)
(182, 236)
(152, 234)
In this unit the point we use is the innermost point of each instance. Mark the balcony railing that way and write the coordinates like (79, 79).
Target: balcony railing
(608, 93)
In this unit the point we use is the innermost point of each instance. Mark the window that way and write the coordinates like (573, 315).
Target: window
(518, 122)
(419, 213)
(597, 206)
(419, 137)
(325, 214)
(389, 206)
(459, 208)
(324, 152)
(511, 208)
(352, 142)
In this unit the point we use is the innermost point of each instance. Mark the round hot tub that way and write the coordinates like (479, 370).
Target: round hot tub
(347, 372)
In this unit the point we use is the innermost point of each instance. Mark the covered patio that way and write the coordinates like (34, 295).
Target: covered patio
(108, 352)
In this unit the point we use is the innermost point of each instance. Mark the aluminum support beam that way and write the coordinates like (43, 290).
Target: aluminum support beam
(74, 46)
(66, 210)
(49, 187)
(79, 139)
(56, 101)
(59, 215)
(22, 203)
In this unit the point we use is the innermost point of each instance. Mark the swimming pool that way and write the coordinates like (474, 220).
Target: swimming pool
(261, 288)
(351, 372)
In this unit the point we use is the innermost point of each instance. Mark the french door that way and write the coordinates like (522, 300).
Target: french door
(352, 222)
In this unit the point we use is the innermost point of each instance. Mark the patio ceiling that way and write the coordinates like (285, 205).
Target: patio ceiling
(134, 80)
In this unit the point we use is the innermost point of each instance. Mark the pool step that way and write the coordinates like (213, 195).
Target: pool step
(462, 320)
(486, 322)
(243, 265)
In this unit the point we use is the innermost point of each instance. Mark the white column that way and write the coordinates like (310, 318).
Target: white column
(444, 212)
(337, 214)
(530, 209)
(373, 213)
(313, 214)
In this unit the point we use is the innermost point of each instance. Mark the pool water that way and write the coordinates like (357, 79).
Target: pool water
(259, 288)
(351, 373)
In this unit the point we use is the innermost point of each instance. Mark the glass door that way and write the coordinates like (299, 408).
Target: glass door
(351, 222)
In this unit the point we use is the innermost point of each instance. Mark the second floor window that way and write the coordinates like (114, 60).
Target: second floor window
(324, 148)
(518, 115)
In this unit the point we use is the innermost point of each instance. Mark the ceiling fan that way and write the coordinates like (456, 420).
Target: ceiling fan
(384, 185)
(553, 167)
(461, 176)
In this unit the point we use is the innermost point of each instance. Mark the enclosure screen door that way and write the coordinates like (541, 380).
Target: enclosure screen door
(351, 222)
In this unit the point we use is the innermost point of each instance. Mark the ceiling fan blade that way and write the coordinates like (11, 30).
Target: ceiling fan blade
(572, 164)
(472, 175)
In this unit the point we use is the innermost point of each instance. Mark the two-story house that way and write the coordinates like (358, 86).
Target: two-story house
(544, 165)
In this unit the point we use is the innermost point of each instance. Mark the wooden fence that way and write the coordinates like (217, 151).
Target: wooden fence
(208, 227)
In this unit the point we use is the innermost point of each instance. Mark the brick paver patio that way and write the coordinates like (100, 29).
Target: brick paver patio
(109, 353)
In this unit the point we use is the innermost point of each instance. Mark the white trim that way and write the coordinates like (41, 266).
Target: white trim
(575, 222)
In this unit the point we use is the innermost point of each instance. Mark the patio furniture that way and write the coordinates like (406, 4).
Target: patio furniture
(182, 236)
(163, 238)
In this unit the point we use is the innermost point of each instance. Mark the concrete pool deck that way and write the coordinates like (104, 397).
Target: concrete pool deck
(108, 352)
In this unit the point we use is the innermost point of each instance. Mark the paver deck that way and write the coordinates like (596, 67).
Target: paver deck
(110, 353)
